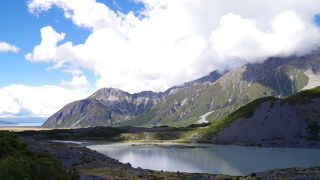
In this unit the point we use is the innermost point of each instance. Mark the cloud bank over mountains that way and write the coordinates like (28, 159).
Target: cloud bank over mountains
(173, 41)
(165, 44)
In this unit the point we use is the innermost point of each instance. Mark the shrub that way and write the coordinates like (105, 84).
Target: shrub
(18, 162)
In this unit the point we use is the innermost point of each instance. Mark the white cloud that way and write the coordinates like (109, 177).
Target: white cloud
(85, 13)
(6, 47)
(287, 35)
(178, 40)
(42, 101)
(46, 50)
(77, 81)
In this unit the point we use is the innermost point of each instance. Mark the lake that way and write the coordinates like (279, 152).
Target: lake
(204, 158)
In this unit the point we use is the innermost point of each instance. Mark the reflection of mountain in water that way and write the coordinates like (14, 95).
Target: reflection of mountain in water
(232, 160)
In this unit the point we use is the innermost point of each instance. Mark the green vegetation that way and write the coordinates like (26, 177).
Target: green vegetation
(303, 97)
(184, 107)
(232, 91)
(248, 110)
(120, 173)
(296, 69)
(94, 133)
(243, 112)
(18, 162)
(277, 77)
(142, 119)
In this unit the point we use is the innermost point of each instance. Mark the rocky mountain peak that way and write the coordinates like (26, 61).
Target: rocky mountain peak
(212, 77)
(110, 94)
(149, 94)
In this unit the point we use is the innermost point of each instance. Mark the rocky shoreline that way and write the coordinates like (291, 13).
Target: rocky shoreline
(157, 134)
(92, 165)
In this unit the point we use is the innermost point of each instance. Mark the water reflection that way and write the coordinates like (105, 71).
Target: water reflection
(232, 160)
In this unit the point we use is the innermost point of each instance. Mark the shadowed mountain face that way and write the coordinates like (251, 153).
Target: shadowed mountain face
(106, 107)
(80, 114)
(206, 99)
(292, 121)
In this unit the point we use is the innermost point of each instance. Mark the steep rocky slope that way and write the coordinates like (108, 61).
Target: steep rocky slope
(106, 107)
(270, 121)
(110, 106)
(278, 77)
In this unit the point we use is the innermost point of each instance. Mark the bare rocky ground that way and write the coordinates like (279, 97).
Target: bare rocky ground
(276, 123)
(92, 165)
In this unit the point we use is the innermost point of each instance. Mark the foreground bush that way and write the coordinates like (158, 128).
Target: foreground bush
(18, 162)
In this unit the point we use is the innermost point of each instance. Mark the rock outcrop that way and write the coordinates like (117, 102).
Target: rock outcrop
(290, 122)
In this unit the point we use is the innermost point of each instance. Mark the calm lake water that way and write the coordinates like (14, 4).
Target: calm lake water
(203, 158)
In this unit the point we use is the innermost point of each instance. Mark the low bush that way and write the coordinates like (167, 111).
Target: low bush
(18, 162)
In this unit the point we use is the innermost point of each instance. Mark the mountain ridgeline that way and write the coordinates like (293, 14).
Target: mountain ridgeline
(110, 106)
(106, 107)
(292, 121)
(206, 99)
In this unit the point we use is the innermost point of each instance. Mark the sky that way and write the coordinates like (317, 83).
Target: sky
(53, 52)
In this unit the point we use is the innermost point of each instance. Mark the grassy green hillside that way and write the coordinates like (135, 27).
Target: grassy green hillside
(275, 77)
(302, 97)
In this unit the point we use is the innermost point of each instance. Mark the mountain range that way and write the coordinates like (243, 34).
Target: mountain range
(206, 99)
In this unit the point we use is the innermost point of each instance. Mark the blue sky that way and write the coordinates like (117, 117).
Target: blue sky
(22, 30)
(136, 45)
